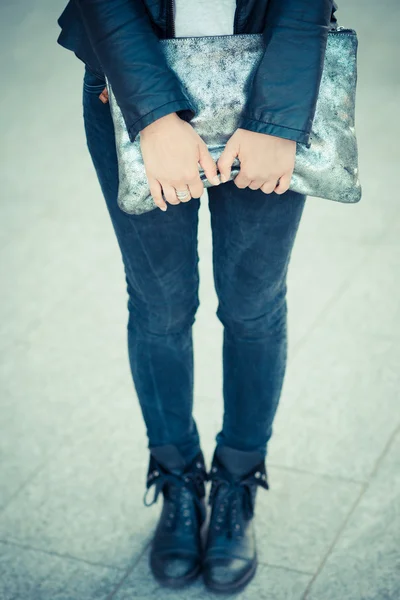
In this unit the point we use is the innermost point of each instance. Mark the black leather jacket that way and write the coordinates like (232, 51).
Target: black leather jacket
(119, 38)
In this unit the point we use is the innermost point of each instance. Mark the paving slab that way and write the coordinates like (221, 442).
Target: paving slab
(365, 562)
(48, 379)
(88, 503)
(370, 303)
(269, 583)
(339, 405)
(88, 500)
(27, 574)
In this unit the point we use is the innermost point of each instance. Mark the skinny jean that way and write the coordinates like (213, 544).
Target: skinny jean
(253, 235)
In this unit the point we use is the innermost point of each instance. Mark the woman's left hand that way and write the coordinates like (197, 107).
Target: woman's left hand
(266, 161)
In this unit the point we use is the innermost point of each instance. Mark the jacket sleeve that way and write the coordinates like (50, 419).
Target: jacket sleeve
(128, 50)
(284, 90)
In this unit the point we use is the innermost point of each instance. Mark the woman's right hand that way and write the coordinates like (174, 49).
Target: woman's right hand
(171, 151)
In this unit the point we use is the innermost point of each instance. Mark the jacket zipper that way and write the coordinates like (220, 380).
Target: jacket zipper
(170, 19)
(236, 18)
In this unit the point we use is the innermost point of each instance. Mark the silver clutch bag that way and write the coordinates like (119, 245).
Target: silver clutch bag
(216, 71)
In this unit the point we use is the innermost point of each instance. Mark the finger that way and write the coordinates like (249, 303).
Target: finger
(156, 193)
(182, 187)
(269, 186)
(104, 96)
(170, 193)
(208, 164)
(255, 184)
(283, 184)
(242, 180)
(226, 159)
(196, 186)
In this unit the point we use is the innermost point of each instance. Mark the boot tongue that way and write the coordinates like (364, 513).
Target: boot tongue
(170, 458)
(238, 462)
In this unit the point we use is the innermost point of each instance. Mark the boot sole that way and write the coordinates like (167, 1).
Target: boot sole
(235, 586)
(177, 582)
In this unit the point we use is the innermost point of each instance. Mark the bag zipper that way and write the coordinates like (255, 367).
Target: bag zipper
(341, 30)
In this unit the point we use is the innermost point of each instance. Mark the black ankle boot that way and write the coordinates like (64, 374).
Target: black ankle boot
(176, 552)
(230, 555)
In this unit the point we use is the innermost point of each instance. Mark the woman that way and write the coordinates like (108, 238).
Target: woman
(254, 222)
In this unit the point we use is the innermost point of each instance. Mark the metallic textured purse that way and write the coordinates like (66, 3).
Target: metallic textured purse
(216, 71)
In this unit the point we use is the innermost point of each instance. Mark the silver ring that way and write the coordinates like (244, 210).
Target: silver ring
(182, 194)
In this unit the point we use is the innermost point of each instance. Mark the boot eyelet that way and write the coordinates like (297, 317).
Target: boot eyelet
(155, 473)
(214, 469)
(257, 474)
(188, 522)
(199, 465)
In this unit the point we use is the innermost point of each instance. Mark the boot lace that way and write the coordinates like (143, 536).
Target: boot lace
(188, 486)
(237, 504)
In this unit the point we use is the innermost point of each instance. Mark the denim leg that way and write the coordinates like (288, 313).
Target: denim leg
(159, 254)
(253, 236)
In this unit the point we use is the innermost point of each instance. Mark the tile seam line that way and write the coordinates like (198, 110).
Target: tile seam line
(385, 450)
(111, 595)
(379, 460)
(364, 489)
(24, 484)
(50, 455)
(334, 541)
(282, 568)
(59, 555)
(341, 478)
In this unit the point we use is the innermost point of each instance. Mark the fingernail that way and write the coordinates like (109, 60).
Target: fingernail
(164, 208)
(224, 179)
(215, 180)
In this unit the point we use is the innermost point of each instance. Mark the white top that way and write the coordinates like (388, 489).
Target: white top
(204, 17)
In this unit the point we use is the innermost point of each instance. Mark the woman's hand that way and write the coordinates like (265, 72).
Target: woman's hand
(104, 96)
(266, 161)
(171, 151)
